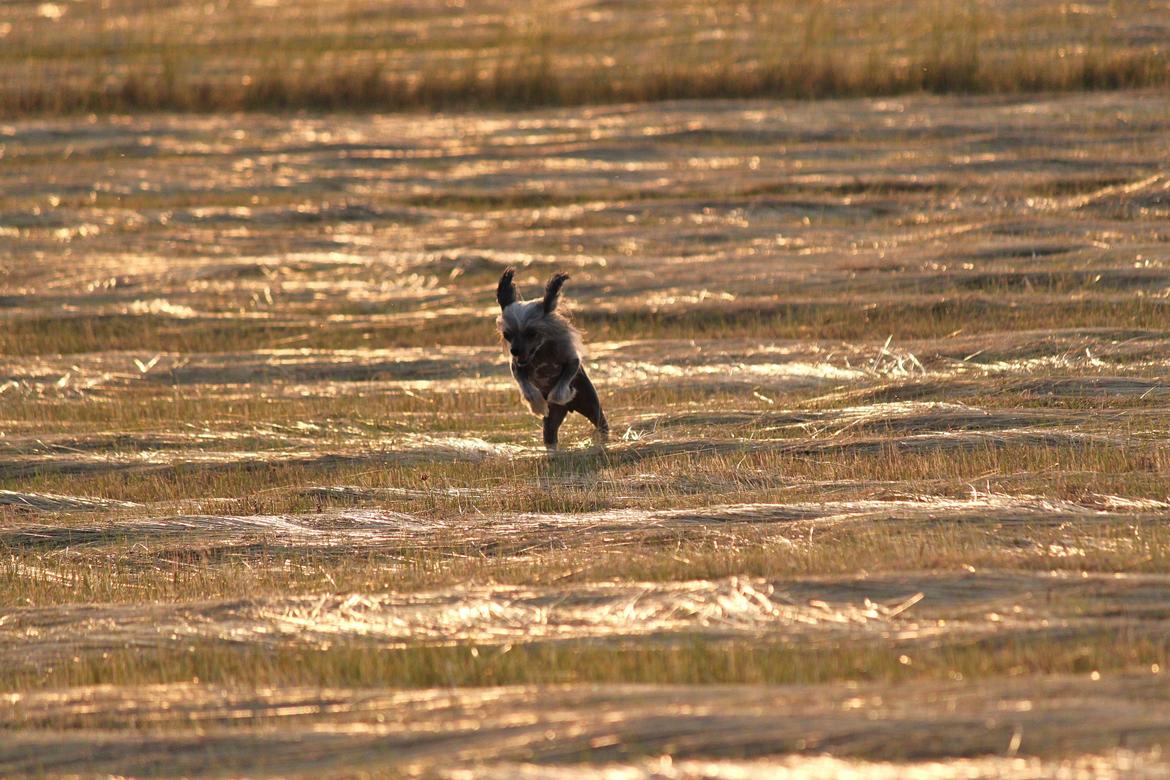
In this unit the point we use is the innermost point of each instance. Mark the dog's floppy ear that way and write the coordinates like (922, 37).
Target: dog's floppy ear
(506, 291)
(552, 292)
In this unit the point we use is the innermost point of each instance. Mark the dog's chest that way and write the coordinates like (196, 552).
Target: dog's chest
(545, 374)
(545, 370)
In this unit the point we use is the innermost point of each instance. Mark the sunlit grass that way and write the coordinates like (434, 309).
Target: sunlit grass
(120, 566)
(927, 370)
(698, 662)
(823, 319)
(760, 468)
(519, 56)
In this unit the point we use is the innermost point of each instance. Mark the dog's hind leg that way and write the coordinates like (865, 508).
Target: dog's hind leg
(587, 404)
(552, 423)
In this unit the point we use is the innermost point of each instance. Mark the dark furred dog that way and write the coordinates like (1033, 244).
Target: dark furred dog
(546, 358)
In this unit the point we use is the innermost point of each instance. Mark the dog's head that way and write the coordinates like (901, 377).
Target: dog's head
(526, 326)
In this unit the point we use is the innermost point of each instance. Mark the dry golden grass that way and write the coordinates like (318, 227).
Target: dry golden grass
(134, 55)
(887, 381)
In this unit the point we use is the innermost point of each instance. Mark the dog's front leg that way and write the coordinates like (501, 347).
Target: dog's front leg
(530, 392)
(563, 392)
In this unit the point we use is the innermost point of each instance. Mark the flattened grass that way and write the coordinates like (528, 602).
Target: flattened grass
(929, 317)
(1018, 441)
(121, 567)
(762, 470)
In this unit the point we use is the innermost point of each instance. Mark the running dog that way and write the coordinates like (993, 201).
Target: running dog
(546, 358)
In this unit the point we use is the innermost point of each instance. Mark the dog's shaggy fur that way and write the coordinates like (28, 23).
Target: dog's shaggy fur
(546, 355)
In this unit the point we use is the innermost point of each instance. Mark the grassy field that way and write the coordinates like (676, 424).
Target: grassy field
(126, 55)
(887, 487)
(887, 381)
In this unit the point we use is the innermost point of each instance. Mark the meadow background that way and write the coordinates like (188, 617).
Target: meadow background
(127, 55)
(886, 371)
